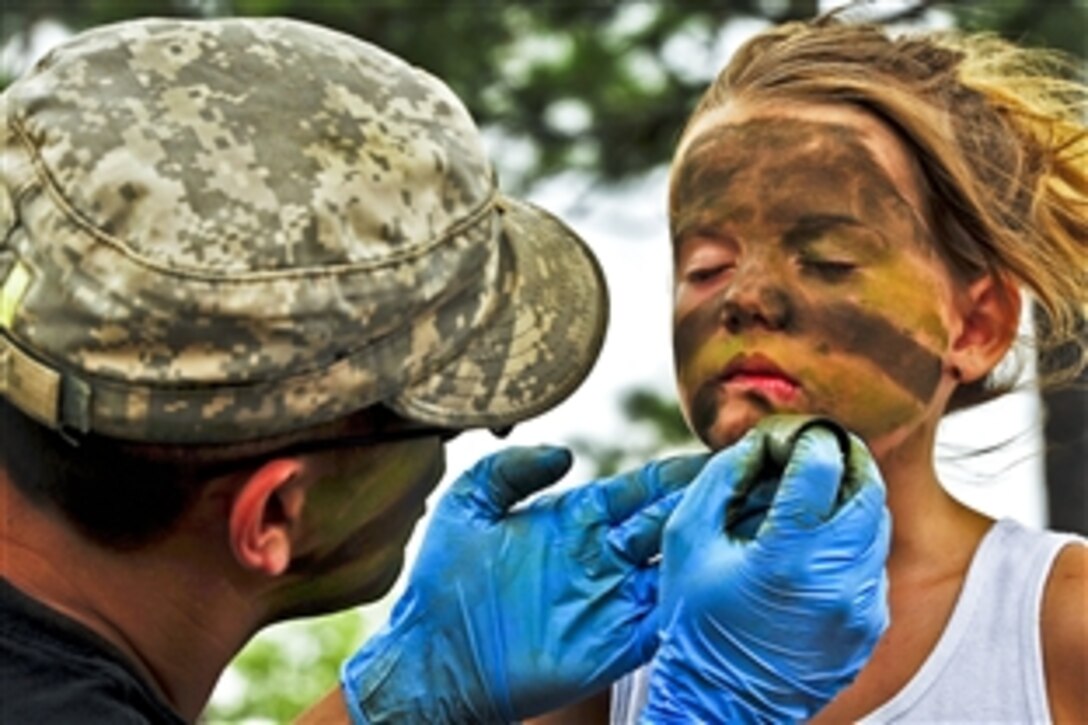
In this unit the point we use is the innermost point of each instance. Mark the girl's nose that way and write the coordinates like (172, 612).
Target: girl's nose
(750, 301)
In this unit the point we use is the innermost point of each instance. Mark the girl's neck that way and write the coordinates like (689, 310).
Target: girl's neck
(933, 534)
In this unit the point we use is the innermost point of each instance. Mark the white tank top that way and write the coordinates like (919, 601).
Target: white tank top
(987, 666)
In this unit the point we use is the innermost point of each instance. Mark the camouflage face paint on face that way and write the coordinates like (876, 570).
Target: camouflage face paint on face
(907, 363)
(792, 169)
(843, 327)
(828, 254)
(364, 510)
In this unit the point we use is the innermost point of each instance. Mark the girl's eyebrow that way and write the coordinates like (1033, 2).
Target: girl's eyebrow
(811, 227)
(706, 233)
(711, 221)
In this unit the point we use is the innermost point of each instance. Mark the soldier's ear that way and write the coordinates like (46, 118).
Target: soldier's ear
(264, 512)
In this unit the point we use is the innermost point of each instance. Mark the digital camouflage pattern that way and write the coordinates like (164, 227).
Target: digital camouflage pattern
(214, 231)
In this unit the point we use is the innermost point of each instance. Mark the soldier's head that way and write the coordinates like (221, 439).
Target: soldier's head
(258, 250)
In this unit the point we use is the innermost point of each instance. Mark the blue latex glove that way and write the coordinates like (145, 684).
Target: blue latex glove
(512, 612)
(769, 627)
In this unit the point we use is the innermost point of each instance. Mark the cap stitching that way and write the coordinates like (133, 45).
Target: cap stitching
(408, 252)
(567, 383)
(571, 374)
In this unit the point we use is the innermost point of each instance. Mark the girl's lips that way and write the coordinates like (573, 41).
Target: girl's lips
(758, 374)
(772, 386)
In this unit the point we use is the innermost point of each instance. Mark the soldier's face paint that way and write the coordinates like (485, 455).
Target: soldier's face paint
(360, 515)
(805, 280)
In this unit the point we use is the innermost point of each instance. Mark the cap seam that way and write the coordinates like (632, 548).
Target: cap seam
(309, 373)
(572, 374)
(409, 252)
(566, 385)
(515, 356)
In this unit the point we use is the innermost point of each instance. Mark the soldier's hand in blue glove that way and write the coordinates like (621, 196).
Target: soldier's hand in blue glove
(767, 613)
(511, 611)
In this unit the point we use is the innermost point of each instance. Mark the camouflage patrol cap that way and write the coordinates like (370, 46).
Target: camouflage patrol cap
(214, 231)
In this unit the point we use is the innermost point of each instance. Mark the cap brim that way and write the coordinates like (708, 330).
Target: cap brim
(541, 342)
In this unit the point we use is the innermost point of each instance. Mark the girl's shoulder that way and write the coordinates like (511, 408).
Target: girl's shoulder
(1064, 625)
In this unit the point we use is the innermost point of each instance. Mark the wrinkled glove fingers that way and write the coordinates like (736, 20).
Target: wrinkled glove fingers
(638, 539)
(647, 631)
(810, 484)
(723, 479)
(864, 525)
(626, 494)
(499, 481)
(862, 474)
(863, 513)
(868, 579)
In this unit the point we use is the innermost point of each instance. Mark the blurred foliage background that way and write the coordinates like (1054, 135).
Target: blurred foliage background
(599, 87)
(585, 84)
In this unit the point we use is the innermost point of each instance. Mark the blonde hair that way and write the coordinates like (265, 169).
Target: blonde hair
(999, 136)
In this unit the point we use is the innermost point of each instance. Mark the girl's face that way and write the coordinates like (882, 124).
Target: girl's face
(804, 276)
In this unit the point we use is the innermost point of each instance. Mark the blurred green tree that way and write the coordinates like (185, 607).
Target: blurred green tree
(285, 669)
(602, 87)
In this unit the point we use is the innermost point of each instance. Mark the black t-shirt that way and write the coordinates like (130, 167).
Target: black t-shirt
(54, 670)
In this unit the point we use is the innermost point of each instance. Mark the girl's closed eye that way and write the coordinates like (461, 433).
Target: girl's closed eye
(705, 261)
(707, 273)
(828, 268)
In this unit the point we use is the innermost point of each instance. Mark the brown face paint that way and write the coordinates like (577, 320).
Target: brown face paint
(773, 310)
(690, 331)
(699, 189)
(785, 169)
(908, 363)
(374, 495)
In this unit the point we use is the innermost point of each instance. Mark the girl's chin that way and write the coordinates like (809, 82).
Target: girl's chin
(734, 422)
(725, 433)
(728, 416)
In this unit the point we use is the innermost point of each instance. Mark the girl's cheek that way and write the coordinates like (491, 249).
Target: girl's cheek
(917, 294)
(688, 297)
(693, 326)
(865, 401)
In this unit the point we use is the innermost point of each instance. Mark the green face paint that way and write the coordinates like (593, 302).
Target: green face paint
(362, 512)
(794, 245)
